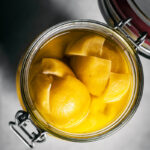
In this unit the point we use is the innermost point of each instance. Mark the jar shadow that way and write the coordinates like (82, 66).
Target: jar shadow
(22, 21)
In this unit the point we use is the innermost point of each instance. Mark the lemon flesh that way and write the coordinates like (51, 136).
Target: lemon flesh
(92, 71)
(69, 101)
(90, 45)
(40, 91)
(114, 53)
(98, 105)
(117, 87)
(55, 67)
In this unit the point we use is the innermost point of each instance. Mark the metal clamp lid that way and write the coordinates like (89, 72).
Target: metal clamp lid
(20, 127)
(140, 40)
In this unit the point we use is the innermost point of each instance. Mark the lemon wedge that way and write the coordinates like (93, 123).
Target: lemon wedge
(113, 52)
(55, 67)
(92, 71)
(40, 92)
(90, 45)
(91, 123)
(69, 102)
(117, 87)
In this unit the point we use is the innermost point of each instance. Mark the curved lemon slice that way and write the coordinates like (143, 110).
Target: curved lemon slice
(117, 87)
(90, 45)
(92, 71)
(69, 102)
(113, 52)
(55, 67)
(40, 92)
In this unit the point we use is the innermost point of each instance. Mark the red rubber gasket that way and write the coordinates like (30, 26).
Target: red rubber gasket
(124, 10)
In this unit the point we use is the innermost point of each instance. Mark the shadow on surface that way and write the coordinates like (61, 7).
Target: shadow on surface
(21, 22)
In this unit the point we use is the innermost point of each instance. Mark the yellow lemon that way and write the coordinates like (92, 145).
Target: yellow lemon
(40, 92)
(69, 102)
(97, 104)
(114, 109)
(56, 46)
(90, 45)
(117, 87)
(114, 53)
(55, 67)
(91, 123)
(92, 71)
(101, 114)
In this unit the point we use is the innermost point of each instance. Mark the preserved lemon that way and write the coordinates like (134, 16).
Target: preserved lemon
(112, 52)
(98, 104)
(117, 87)
(55, 67)
(40, 91)
(69, 101)
(92, 71)
(80, 82)
(90, 45)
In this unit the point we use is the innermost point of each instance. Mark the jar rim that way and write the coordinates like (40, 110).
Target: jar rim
(32, 50)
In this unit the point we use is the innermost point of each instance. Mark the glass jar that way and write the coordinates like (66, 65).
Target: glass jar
(38, 120)
(123, 30)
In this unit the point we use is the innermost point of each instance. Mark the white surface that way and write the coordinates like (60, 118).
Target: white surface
(134, 136)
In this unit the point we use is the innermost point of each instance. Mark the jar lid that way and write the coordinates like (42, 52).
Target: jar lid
(132, 18)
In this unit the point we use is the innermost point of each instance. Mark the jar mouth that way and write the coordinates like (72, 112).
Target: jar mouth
(99, 28)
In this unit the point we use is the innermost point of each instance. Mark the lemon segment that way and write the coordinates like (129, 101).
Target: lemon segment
(55, 67)
(92, 71)
(40, 92)
(117, 87)
(54, 48)
(90, 45)
(113, 52)
(90, 124)
(69, 102)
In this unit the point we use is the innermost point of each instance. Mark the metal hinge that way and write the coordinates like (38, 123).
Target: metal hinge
(139, 41)
(22, 126)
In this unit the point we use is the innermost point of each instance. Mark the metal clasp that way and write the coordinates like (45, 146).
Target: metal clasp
(139, 41)
(24, 124)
